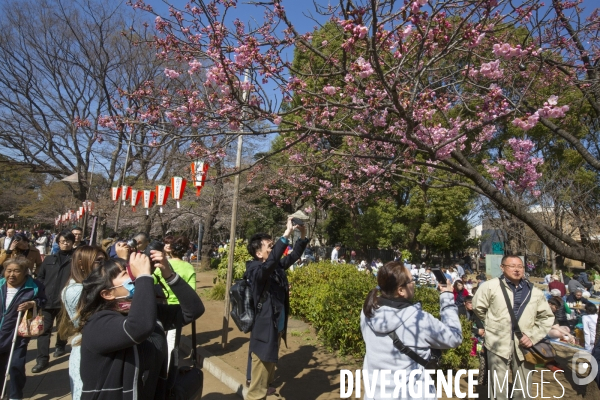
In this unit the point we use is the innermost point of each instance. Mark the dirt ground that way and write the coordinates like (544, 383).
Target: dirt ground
(307, 370)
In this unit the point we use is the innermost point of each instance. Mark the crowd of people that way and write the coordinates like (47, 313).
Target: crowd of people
(99, 299)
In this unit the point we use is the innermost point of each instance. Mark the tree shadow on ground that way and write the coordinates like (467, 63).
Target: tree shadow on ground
(299, 377)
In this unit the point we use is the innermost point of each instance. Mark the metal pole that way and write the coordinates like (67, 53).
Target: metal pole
(236, 189)
(123, 182)
(200, 236)
(85, 216)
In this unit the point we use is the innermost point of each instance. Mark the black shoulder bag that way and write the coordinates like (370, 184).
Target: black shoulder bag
(434, 358)
(541, 352)
(185, 382)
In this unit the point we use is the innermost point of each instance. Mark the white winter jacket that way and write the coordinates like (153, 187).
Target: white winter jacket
(418, 330)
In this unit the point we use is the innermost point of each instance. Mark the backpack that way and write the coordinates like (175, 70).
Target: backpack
(243, 311)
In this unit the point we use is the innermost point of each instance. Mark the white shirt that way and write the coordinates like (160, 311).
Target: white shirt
(334, 255)
(589, 330)
(10, 294)
(7, 242)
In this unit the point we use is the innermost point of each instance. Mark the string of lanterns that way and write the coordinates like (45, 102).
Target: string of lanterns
(161, 193)
(74, 215)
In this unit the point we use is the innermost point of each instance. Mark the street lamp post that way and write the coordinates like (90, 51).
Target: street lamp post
(236, 190)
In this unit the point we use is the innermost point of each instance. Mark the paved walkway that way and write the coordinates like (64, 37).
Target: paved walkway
(54, 382)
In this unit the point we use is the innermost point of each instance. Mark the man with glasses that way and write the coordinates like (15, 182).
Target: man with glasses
(54, 274)
(504, 344)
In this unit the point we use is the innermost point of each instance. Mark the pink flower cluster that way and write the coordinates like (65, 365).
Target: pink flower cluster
(363, 68)
(491, 70)
(415, 6)
(549, 110)
(506, 51)
(169, 73)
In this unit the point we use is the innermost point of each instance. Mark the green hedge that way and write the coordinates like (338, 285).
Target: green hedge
(331, 297)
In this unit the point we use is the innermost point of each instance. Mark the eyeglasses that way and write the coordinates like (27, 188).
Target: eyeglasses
(513, 266)
(66, 242)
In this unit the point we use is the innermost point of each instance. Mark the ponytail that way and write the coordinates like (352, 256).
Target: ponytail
(371, 303)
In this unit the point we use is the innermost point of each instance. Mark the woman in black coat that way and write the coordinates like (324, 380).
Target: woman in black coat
(123, 345)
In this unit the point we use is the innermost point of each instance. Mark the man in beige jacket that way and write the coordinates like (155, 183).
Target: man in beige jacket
(504, 349)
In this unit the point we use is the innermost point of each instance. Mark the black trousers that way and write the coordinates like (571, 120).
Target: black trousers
(16, 371)
(43, 341)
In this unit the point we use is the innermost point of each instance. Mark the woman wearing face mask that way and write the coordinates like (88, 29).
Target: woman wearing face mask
(85, 258)
(123, 345)
(390, 310)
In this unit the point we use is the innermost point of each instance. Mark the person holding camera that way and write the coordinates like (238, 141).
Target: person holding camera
(20, 247)
(178, 246)
(270, 288)
(389, 319)
(123, 345)
(54, 274)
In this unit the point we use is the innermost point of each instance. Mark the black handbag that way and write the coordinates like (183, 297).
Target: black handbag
(185, 382)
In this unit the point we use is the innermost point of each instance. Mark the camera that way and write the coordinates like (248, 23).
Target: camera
(297, 221)
(154, 245)
(132, 244)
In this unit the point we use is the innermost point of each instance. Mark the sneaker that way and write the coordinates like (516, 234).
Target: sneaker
(247, 382)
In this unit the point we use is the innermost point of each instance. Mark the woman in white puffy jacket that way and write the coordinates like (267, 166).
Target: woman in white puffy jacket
(390, 309)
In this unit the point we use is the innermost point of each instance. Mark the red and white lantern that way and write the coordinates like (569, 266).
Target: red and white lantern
(78, 215)
(116, 193)
(162, 195)
(136, 195)
(199, 174)
(177, 188)
(88, 206)
(81, 212)
(148, 199)
(125, 193)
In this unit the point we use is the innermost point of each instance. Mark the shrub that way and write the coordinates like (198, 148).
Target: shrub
(240, 256)
(331, 297)
(217, 292)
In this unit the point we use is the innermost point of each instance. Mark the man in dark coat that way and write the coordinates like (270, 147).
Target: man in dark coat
(54, 274)
(270, 291)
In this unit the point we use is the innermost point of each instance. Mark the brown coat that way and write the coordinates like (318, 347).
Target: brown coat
(33, 256)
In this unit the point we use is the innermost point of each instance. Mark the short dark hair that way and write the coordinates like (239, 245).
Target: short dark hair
(67, 235)
(469, 298)
(77, 229)
(255, 243)
(507, 256)
(555, 301)
(591, 308)
(142, 234)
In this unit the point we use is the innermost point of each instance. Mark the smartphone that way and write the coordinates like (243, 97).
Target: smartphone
(439, 276)
(296, 221)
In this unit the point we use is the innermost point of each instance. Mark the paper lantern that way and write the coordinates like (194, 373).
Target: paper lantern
(162, 195)
(177, 188)
(136, 195)
(78, 215)
(116, 193)
(88, 205)
(199, 174)
(81, 211)
(148, 199)
(125, 193)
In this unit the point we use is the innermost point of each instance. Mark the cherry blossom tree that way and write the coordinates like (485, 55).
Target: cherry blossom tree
(404, 90)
